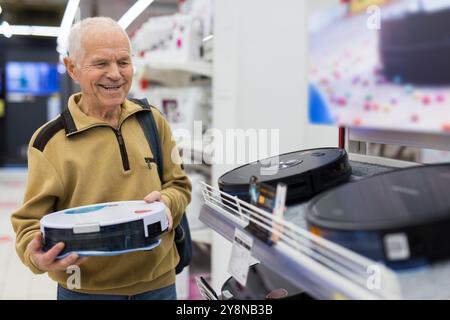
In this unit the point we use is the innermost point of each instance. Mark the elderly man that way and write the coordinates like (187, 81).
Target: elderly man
(96, 153)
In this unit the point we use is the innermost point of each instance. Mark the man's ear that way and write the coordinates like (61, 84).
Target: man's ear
(70, 67)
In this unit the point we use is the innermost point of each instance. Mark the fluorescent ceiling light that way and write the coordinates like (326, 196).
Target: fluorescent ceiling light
(0, 9)
(66, 24)
(5, 29)
(39, 31)
(133, 13)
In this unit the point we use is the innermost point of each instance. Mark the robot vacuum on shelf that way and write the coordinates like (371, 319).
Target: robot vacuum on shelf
(305, 173)
(262, 284)
(106, 229)
(401, 218)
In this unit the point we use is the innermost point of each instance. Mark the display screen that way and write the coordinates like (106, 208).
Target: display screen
(33, 78)
(380, 64)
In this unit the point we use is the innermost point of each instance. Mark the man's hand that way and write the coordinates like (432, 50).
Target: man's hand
(45, 261)
(156, 196)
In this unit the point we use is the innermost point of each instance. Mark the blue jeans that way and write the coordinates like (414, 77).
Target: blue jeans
(167, 293)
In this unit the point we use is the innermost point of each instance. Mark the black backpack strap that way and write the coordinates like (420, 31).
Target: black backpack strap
(148, 125)
(183, 239)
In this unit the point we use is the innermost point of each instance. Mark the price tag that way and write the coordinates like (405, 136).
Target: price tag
(241, 256)
(278, 210)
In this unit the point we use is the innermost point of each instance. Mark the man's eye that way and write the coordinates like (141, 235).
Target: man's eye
(100, 64)
(124, 63)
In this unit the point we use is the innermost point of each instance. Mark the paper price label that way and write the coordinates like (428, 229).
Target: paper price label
(241, 256)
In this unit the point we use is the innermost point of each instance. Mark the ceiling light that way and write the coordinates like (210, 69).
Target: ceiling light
(66, 25)
(40, 31)
(133, 13)
(5, 28)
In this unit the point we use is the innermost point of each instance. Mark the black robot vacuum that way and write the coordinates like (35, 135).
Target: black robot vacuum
(400, 218)
(306, 173)
(262, 284)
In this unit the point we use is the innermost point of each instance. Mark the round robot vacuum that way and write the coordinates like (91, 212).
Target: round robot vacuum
(262, 284)
(306, 173)
(401, 218)
(106, 229)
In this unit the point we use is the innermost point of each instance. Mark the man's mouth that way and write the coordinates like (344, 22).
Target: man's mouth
(110, 87)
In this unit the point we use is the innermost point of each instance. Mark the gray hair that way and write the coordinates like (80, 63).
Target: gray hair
(83, 27)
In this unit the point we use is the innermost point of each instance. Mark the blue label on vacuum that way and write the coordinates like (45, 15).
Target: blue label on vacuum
(84, 210)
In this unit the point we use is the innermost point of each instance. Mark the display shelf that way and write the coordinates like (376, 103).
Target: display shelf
(195, 67)
(322, 268)
(173, 73)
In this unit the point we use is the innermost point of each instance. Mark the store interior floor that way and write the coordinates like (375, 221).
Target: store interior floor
(17, 281)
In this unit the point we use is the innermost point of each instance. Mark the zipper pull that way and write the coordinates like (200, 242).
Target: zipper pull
(119, 136)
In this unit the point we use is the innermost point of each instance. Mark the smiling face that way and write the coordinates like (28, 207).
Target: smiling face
(103, 68)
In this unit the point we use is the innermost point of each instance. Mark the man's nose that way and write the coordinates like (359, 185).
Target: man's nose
(114, 72)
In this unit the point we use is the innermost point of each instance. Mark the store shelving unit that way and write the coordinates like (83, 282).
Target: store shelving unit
(173, 73)
(322, 268)
(180, 74)
(201, 68)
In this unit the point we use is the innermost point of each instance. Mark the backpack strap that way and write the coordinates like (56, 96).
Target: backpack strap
(148, 125)
(183, 240)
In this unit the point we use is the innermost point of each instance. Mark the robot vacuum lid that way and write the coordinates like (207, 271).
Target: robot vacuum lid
(405, 197)
(288, 164)
(104, 214)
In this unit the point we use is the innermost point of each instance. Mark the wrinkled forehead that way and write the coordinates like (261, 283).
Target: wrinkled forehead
(109, 41)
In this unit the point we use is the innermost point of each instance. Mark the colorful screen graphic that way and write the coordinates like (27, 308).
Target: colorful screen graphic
(380, 64)
(33, 78)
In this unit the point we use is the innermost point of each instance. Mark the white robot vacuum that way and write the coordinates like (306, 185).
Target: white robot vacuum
(106, 229)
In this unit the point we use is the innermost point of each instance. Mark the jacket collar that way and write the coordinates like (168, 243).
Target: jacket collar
(76, 121)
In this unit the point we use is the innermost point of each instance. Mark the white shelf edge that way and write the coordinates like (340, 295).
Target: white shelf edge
(196, 67)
